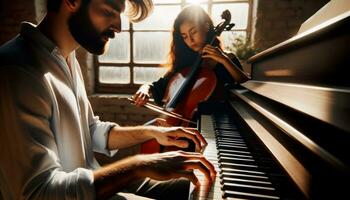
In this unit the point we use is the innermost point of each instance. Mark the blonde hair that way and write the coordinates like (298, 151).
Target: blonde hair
(139, 9)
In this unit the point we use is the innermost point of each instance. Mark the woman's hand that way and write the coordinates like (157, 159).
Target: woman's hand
(169, 136)
(215, 53)
(219, 56)
(142, 95)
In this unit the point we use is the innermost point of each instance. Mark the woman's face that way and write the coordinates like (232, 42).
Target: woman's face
(193, 35)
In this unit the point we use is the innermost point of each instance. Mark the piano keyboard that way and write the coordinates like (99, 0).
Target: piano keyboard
(210, 153)
(242, 172)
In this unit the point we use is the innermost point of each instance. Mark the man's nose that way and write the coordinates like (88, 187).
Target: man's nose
(117, 24)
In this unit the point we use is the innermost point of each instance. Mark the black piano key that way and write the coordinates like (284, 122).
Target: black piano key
(230, 141)
(238, 165)
(243, 175)
(242, 180)
(236, 155)
(250, 188)
(233, 147)
(243, 171)
(235, 160)
(235, 195)
(225, 139)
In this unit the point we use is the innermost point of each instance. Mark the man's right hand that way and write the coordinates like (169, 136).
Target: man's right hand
(176, 164)
(142, 95)
(113, 178)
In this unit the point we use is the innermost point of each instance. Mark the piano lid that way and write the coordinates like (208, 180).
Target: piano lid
(332, 15)
(328, 12)
(308, 72)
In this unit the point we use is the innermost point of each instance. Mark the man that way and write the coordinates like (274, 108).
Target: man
(48, 130)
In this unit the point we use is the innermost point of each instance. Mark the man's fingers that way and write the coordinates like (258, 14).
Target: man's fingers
(187, 174)
(198, 134)
(205, 162)
(178, 143)
(196, 164)
(162, 122)
(189, 135)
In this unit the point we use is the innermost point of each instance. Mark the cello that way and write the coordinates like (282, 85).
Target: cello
(187, 88)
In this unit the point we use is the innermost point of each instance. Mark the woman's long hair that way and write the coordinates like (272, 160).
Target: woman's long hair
(180, 55)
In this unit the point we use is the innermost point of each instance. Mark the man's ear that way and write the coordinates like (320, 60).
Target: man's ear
(72, 5)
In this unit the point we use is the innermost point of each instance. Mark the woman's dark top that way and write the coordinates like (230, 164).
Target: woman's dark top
(224, 78)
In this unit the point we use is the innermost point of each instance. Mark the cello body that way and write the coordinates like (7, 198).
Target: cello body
(200, 91)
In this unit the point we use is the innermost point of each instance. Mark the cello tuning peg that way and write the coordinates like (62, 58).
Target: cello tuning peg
(229, 26)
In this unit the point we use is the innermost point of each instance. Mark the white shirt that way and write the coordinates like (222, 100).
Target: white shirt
(48, 129)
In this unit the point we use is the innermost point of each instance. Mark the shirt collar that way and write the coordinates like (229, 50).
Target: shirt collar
(31, 32)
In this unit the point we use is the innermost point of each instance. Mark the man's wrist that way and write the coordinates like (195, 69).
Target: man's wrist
(149, 131)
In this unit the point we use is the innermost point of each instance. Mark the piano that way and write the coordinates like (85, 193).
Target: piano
(285, 134)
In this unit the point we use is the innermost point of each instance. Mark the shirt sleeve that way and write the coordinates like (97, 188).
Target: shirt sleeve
(99, 131)
(158, 89)
(225, 76)
(30, 166)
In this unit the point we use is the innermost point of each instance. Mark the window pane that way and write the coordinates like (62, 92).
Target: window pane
(228, 38)
(151, 47)
(144, 75)
(119, 49)
(125, 22)
(114, 75)
(230, 0)
(239, 13)
(166, 1)
(162, 18)
(196, 1)
(203, 5)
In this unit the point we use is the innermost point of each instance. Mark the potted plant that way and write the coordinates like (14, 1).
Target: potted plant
(243, 48)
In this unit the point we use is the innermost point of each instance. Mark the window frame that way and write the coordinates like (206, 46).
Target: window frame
(132, 87)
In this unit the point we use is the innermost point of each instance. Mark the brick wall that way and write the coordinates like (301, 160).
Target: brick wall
(114, 108)
(12, 13)
(279, 20)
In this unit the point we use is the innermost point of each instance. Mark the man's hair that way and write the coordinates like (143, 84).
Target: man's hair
(53, 5)
(139, 9)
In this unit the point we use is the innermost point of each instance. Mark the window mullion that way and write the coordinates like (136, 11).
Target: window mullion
(210, 5)
(131, 65)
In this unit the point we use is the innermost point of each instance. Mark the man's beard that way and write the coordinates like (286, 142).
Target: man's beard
(85, 33)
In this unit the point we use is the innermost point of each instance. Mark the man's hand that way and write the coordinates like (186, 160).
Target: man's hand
(169, 136)
(115, 177)
(175, 164)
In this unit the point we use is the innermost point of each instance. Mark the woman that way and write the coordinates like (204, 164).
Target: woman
(191, 31)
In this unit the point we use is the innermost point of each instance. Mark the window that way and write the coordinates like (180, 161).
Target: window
(135, 54)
